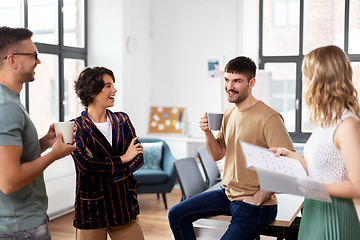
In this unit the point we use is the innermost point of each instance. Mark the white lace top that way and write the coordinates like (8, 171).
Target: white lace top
(324, 160)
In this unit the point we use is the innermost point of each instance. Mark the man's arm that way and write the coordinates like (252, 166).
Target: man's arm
(14, 175)
(257, 199)
(49, 139)
(215, 150)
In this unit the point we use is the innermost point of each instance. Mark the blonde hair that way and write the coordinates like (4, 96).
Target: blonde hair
(330, 89)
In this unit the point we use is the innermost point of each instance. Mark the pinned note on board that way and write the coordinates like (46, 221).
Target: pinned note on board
(166, 120)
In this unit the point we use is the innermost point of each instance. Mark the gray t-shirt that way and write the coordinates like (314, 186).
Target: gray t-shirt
(25, 208)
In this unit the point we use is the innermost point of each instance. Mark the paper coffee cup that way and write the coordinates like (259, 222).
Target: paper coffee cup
(215, 120)
(67, 130)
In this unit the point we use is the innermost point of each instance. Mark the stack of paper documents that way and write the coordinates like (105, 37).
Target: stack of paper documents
(282, 174)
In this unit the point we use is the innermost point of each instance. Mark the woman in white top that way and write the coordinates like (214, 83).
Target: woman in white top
(332, 153)
(108, 153)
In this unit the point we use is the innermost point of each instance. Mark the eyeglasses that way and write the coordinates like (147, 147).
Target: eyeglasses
(35, 54)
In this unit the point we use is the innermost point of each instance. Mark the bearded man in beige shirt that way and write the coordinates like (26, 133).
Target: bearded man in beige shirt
(249, 120)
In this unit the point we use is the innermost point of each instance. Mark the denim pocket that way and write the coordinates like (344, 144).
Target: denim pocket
(40, 232)
(243, 209)
(258, 215)
(4, 235)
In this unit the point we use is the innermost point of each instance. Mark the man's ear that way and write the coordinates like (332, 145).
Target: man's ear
(11, 61)
(252, 82)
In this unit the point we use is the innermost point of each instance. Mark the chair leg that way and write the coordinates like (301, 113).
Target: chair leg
(158, 195)
(164, 198)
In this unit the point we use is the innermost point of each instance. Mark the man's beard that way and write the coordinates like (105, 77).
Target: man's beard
(241, 97)
(28, 76)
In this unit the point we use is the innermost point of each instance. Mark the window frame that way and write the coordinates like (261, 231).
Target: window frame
(287, 24)
(61, 51)
(299, 136)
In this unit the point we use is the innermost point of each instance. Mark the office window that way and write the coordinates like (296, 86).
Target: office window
(306, 124)
(284, 44)
(285, 13)
(59, 29)
(44, 93)
(354, 27)
(280, 28)
(72, 105)
(323, 24)
(283, 88)
(74, 24)
(43, 20)
(11, 13)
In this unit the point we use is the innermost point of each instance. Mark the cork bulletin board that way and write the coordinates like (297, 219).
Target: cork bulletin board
(166, 120)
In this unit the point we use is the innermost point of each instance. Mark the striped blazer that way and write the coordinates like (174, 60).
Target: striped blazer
(105, 187)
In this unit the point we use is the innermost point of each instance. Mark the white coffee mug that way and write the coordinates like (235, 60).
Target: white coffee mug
(67, 130)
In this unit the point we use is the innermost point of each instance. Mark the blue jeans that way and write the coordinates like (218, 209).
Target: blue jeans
(247, 222)
(40, 232)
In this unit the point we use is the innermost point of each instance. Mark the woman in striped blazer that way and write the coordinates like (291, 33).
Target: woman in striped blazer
(107, 154)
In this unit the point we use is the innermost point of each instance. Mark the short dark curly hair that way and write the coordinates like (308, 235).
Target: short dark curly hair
(90, 82)
(241, 65)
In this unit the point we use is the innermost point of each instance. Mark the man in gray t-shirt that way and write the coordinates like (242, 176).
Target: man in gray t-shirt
(23, 199)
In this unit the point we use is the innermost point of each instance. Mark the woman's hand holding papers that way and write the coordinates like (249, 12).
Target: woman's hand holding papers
(285, 152)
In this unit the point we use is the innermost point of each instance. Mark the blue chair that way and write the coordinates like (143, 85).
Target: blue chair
(157, 180)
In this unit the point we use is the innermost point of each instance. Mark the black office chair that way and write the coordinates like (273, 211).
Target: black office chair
(211, 170)
(190, 178)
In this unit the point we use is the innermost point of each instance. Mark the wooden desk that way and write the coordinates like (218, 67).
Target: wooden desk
(289, 207)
